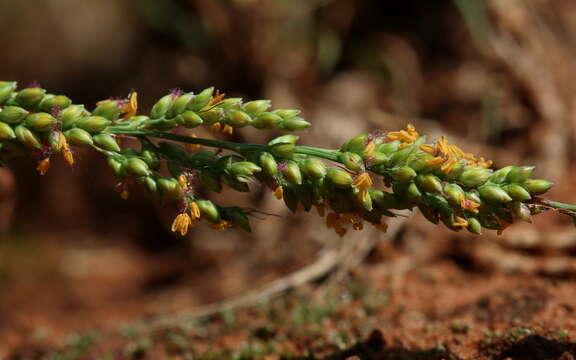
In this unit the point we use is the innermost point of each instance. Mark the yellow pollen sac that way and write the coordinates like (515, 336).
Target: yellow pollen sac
(192, 147)
(227, 129)
(404, 145)
(412, 131)
(217, 98)
(43, 166)
(485, 163)
(222, 225)
(181, 223)
(460, 222)
(320, 210)
(435, 162)
(125, 194)
(427, 148)
(279, 193)
(194, 211)
(68, 156)
(132, 107)
(449, 165)
(216, 127)
(469, 205)
(409, 135)
(183, 182)
(369, 149)
(363, 182)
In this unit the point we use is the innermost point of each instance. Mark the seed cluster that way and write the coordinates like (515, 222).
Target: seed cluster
(443, 182)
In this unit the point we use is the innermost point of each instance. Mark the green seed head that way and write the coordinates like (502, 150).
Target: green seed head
(149, 183)
(454, 194)
(30, 97)
(284, 139)
(40, 122)
(429, 183)
(352, 161)
(356, 144)
(404, 174)
(93, 124)
(116, 166)
(494, 194)
(109, 109)
(6, 132)
(287, 114)
(499, 176)
(291, 173)
(314, 168)
(268, 164)
(201, 99)
(238, 119)
(106, 142)
(208, 210)
(383, 199)
(212, 116)
(294, 124)
(71, 114)
(179, 105)
(519, 174)
(137, 167)
(170, 188)
(413, 193)
(517, 192)
(6, 90)
(257, 106)
(189, 119)
(521, 211)
(340, 178)
(50, 102)
(161, 107)
(13, 114)
(266, 121)
(243, 169)
(27, 137)
(283, 150)
(78, 137)
(537, 186)
(474, 226)
(474, 176)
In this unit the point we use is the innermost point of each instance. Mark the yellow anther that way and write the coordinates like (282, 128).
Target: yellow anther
(181, 223)
(43, 166)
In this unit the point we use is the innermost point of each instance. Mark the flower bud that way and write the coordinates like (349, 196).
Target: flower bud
(149, 183)
(6, 90)
(237, 217)
(236, 183)
(116, 166)
(27, 137)
(413, 193)
(149, 156)
(474, 196)
(71, 114)
(212, 116)
(294, 124)
(13, 114)
(494, 194)
(383, 199)
(243, 169)
(201, 99)
(474, 176)
(519, 174)
(282, 150)
(208, 210)
(137, 167)
(179, 105)
(456, 172)
(291, 197)
(257, 106)
(352, 161)
(93, 124)
(210, 180)
(230, 104)
(499, 176)
(400, 156)
(238, 119)
(106, 142)
(357, 144)
(266, 121)
(40, 122)
(378, 158)
(517, 192)
(521, 210)
(6, 132)
(404, 174)
(170, 188)
(30, 97)
(439, 203)
(161, 107)
(339, 177)
(189, 119)
(286, 114)
(78, 137)
(537, 186)
(291, 172)
(314, 168)
(388, 147)
(268, 164)
(109, 109)
(429, 183)
(454, 194)
(289, 138)
(422, 163)
(54, 102)
(474, 226)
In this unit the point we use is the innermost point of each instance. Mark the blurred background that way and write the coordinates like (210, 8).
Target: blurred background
(498, 77)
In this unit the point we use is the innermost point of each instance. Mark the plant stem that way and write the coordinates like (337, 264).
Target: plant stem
(559, 205)
(229, 145)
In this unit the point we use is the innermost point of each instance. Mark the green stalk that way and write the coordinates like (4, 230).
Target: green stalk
(559, 205)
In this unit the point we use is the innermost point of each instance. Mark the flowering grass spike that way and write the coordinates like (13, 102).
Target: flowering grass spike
(446, 184)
